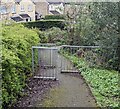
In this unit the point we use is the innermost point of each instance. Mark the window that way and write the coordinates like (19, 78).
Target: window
(22, 7)
(30, 8)
(51, 7)
(3, 9)
(13, 9)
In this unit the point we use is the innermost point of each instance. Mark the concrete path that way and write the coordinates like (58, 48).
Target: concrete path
(72, 91)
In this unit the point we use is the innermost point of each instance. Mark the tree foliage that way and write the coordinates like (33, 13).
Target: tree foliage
(97, 24)
(53, 35)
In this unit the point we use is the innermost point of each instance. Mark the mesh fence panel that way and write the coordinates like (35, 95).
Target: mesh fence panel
(47, 61)
(94, 56)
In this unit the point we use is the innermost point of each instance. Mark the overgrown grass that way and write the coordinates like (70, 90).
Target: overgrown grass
(104, 83)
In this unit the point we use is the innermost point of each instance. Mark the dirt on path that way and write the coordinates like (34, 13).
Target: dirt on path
(70, 90)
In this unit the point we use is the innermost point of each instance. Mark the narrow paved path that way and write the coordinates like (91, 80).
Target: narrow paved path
(71, 92)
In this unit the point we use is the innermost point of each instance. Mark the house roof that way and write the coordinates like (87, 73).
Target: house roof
(17, 18)
(39, 1)
(31, 0)
(73, 1)
(24, 16)
(17, 1)
(65, 1)
(55, 1)
(55, 12)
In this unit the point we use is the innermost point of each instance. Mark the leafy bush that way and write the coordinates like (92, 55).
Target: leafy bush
(104, 84)
(54, 17)
(16, 60)
(45, 24)
(53, 35)
(43, 37)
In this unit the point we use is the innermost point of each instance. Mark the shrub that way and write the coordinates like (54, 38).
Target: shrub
(45, 24)
(53, 35)
(43, 37)
(54, 17)
(16, 60)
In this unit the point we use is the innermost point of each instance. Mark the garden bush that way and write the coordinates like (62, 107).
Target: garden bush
(17, 41)
(45, 24)
(54, 17)
(53, 35)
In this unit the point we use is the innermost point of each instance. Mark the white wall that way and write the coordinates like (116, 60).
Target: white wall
(57, 7)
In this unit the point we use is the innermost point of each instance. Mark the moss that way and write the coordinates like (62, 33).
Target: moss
(54, 96)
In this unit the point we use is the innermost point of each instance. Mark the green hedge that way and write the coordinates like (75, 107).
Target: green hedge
(45, 24)
(16, 60)
(54, 17)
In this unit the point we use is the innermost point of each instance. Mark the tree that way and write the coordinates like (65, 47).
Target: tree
(71, 22)
(96, 23)
(105, 16)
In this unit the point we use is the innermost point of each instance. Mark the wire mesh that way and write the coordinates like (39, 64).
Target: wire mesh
(51, 62)
(93, 55)
(47, 61)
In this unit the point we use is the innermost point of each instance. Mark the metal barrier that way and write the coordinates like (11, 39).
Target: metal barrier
(79, 51)
(47, 61)
(51, 63)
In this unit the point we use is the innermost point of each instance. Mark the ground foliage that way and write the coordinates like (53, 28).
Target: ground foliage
(16, 60)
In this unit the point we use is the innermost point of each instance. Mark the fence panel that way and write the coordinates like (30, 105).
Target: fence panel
(47, 61)
(78, 51)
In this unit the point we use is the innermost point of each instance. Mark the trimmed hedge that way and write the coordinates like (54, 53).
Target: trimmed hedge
(45, 24)
(54, 17)
(16, 60)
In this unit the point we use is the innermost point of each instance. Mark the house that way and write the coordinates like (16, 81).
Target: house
(25, 9)
(56, 7)
(31, 10)
(41, 8)
(17, 10)
(7, 9)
